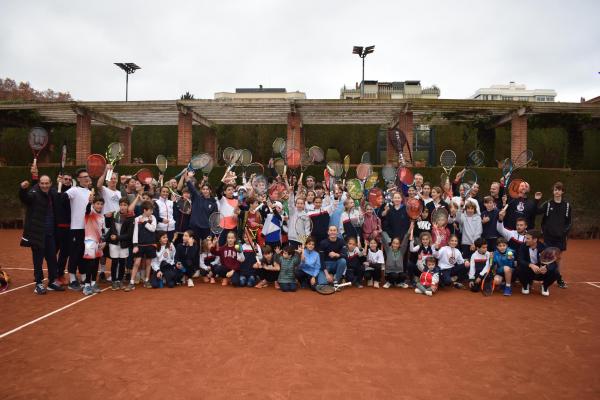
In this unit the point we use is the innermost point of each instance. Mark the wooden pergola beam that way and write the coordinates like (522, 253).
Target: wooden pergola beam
(195, 116)
(509, 116)
(100, 117)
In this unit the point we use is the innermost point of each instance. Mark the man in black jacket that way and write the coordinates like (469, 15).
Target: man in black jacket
(556, 222)
(39, 230)
(530, 267)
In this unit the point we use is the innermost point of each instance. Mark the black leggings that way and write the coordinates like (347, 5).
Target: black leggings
(76, 253)
(117, 268)
(395, 277)
(374, 273)
(90, 269)
(268, 275)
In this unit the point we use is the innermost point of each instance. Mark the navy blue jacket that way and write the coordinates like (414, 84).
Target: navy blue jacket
(202, 208)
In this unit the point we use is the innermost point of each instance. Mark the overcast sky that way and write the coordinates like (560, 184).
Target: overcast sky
(210, 46)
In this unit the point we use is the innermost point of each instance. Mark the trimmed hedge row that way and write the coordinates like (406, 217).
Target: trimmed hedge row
(578, 184)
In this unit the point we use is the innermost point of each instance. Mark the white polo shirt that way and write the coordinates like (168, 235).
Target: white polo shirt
(79, 197)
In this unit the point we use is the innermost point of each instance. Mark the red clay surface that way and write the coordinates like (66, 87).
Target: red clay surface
(211, 342)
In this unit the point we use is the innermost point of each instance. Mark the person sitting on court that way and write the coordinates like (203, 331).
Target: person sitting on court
(267, 269)
(333, 252)
(288, 261)
(429, 278)
(230, 258)
(208, 261)
(395, 249)
(163, 265)
(355, 269)
(451, 263)
(248, 267)
(479, 264)
(310, 273)
(418, 253)
(144, 244)
(187, 258)
(504, 263)
(530, 267)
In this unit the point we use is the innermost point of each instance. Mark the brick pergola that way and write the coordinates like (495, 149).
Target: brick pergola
(394, 114)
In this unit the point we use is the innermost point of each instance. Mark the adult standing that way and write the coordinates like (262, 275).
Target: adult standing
(522, 207)
(62, 216)
(556, 223)
(79, 198)
(39, 230)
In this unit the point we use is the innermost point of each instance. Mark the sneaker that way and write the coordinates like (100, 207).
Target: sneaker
(55, 287)
(376, 285)
(108, 278)
(562, 284)
(429, 293)
(129, 287)
(525, 290)
(115, 285)
(190, 282)
(40, 289)
(148, 285)
(545, 292)
(75, 286)
(96, 288)
(87, 290)
(370, 282)
(508, 291)
(418, 291)
(402, 285)
(458, 285)
(386, 285)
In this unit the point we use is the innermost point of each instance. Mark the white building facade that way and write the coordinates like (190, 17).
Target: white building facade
(514, 92)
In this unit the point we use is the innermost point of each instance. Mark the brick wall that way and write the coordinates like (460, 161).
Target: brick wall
(125, 139)
(518, 139)
(210, 144)
(184, 138)
(405, 124)
(83, 139)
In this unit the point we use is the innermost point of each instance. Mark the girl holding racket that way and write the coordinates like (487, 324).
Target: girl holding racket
(203, 205)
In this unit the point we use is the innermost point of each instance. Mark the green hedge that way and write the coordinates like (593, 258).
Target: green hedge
(578, 183)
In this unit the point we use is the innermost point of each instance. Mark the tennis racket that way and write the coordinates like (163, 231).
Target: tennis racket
(372, 181)
(316, 154)
(197, 162)
(354, 188)
(144, 175)
(293, 158)
(304, 227)
(346, 165)
(375, 197)
(38, 139)
(208, 167)
(447, 161)
(405, 176)
(414, 208)
(363, 171)
(96, 164)
(305, 161)
(476, 158)
(365, 158)
(63, 161)
(215, 221)
(468, 180)
(335, 170)
(523, 159)
(507, 170)
(331, 289)
(114, 153)
(487, 283)
(398, 140)
(388, 173)
(162, 164)
(184, 205)
(549, 255)
(279, 166)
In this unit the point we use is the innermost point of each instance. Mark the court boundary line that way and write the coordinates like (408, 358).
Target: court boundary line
(20, 287)
(18, 269)
(594, 284)
(18, 328)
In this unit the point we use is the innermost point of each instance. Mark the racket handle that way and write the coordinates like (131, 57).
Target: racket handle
(284, 170)
(35, 161)
(301, 176)
(59, 187)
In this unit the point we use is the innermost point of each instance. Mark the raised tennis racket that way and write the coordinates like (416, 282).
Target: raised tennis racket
(365, 158)
(355, 189)
(405, 176)
(305, 161)
(468, 180)
(293, 158)
(476, 158)
(184, 205)
(199, 161)
(144, 175)
(447, 161)
(96, 164)
(346, 165)
(363, 171)
(215, 222)
(507, 170)
(38, 139)
(388, 173)
(376, 197)
(114, 153)
(335, 170)
(399, 140)
(316, 154)
(523, 159)
(279, 166)
(63, 161)
(414, 208)
(162, 164)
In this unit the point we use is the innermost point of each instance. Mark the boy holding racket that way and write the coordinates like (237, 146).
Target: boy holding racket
(144, 243)
(556, 222)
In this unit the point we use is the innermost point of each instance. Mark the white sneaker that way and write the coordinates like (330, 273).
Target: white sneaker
(403, 285)
(386, 285)
(525, 290)
(370, 283)
(190, 283)
(545, 292)
(376, 285)
(418, 291)
(429, 293)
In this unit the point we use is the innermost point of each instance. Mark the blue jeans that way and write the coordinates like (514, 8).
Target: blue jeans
(337, 267)
(288, 287)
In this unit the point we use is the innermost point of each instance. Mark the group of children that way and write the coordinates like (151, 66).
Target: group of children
(264, 241)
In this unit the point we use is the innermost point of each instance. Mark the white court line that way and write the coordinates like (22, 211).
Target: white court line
(594, 284)
(20, 287)
(20, 269)
(3, 335)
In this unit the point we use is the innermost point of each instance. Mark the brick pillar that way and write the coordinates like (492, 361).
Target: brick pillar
(518, 136)
(184, 139)
(83, 139)
(294, 132)
(125, 139)
(210, 144)
(405, 124)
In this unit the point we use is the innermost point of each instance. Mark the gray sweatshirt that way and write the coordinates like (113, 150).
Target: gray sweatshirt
(394, 260)
(470, 227)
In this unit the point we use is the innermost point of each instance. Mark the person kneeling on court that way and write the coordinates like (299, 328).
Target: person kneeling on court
(504, 260)
(429, 279)
(333, 254)
(530, 267)
(187, 258)
(163, 265)
(479, 265)
(231, 260)
(288, 262)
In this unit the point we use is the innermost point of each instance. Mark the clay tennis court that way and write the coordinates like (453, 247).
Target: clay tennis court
(211, 342)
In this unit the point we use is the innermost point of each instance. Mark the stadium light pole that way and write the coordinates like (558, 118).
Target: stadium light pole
(362, 53)
(129, 68)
